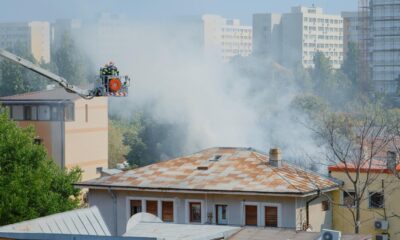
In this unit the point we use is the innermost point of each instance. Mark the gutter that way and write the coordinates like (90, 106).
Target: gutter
(204, 191)
(114, 199)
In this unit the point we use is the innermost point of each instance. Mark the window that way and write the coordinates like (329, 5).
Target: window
(376, 200)
(221, 214)
(271, 216)
(251, 215)
(30, 113)
(56, 113)
(69, 112)
(167, 211)
(195, 211)
(325, 205)
(136, 206)
(152, 207)
(17, 112)
(349, 198)
(44, 112)
(37, 140)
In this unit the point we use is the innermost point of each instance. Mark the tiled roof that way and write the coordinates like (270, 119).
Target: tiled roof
(236, 170)
(54, 94)
(377, 166)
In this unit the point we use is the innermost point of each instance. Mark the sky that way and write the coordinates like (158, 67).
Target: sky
(49, 10)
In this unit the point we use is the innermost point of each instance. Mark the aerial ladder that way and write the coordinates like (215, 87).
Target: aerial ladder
(109, 82)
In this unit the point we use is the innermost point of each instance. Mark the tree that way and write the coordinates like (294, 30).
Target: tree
(353, 140)
(15, 79)
(71, 63)
(117, 150)
(351, 63)
(31, 185)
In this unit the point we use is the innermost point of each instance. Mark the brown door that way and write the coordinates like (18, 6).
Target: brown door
(271, 216)
(195, 211)
(167, 211)
(251, 215)
(151, 207)
(136, 206)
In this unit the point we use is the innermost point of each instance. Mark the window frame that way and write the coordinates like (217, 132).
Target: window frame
(144, 207)
(370, 202)
(343, 198)
(187, 211)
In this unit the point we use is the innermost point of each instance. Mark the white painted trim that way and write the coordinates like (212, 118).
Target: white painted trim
(278, 205)
(159, 205)
(203, 211)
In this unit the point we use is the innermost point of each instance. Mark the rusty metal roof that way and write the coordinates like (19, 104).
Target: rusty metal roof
(218, 169)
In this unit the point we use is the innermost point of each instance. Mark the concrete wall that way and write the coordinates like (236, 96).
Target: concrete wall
(287, 213)
(86, 138)
(342, 217)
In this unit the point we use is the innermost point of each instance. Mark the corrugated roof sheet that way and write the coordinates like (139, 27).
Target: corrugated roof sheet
(87, 221)
(236, 170)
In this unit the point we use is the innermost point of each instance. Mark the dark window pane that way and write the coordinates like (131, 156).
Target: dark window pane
(251, 215)
(325, 205)
(167, 211)
(136, 206)
(349, 199)
(195, 212)
(376, 200)
(271, 216)
(151, 207)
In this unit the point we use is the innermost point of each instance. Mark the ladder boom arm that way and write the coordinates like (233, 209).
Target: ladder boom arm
(31, 66)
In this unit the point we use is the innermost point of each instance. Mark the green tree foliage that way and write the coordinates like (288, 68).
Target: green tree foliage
(15, 79)
(31, 185)
(117, 150)
(71, 63)
(350, 64)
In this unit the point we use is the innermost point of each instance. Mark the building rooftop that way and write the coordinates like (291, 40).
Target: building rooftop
(229, 170)
(54, 94)
(377, 166)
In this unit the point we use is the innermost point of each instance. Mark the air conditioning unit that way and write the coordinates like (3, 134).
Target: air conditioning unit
(381, 224)
(327, 234)
(382, 237)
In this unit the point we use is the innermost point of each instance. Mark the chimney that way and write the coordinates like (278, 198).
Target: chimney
(275, 157)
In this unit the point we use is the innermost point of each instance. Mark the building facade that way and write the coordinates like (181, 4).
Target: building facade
(34, 36)
(226, 38)
(350, 29)
(223, 186)
(301, 33)
(384, 22)
(73, 130)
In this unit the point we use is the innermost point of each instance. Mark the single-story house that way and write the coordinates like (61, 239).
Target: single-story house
(222, 186)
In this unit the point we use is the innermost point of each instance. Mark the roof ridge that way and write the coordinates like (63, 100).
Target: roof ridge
(286, 180)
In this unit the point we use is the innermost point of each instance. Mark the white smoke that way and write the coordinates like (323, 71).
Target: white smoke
(217, 105)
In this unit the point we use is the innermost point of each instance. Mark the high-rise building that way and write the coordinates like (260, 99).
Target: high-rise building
(60, 27)
(34, 36)
(298, 35)
(226, 37)
(384, 31)
(350, 29)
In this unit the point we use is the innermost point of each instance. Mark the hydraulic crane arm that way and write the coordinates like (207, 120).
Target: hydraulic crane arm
(60, 80)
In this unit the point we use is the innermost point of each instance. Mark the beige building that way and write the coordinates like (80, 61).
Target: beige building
(294, 38)
(221, 186)
(226, 37)
(35, 36)
(73, 130)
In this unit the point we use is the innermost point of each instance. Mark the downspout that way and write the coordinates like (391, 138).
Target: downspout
(307, 209)
(114, 199)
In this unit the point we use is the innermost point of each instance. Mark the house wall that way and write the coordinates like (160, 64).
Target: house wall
(235, 211)
(86, 138)
(342, 217)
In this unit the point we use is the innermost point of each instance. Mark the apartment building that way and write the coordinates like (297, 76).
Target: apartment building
(226, 38)
(300, 33)
(73, 130)
(218, 186)
(384, 22)
(34, 36)
(350, 29)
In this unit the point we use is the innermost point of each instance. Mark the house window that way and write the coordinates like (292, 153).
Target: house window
(37, 140)
(56, 113)
(44, 113)
(152, 207)
(167, 211)
(30, 113)
(325, 205)
(349, 198)
(136, 206)
(221, 214)
(195, 212)
(251, 215)
(271, 216)
(376, 200)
